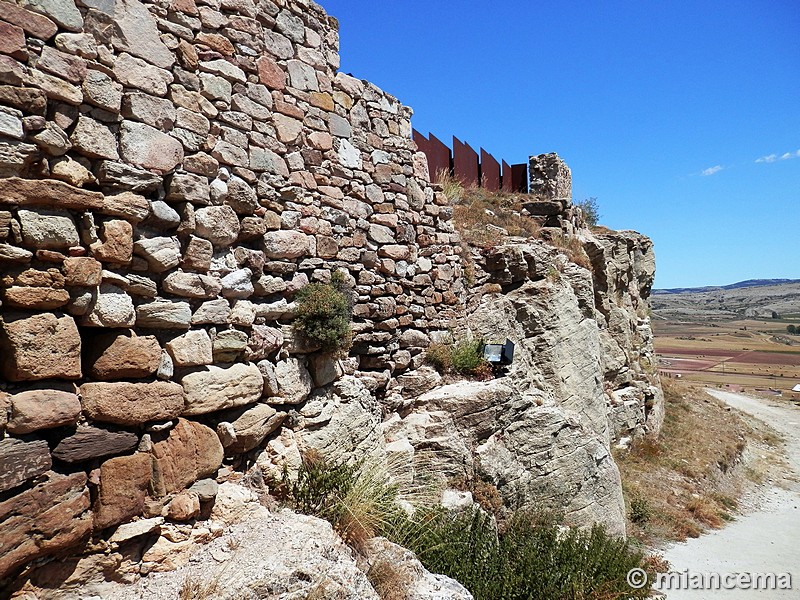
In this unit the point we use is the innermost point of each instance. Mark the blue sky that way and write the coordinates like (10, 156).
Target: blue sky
(661, 109)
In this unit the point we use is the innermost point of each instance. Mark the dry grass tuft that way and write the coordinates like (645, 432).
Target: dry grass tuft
(193, 588)
(573, 248)
(485, 219)
(389, 581)
(682, 483)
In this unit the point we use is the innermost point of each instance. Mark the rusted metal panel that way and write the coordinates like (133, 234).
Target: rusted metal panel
(519, 178)
(465, 164)
(490, 172)
(420, 140)
(506, 183)
(436, 152)
(440, 160)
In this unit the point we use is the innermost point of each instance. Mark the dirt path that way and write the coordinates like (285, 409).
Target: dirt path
(765, 540)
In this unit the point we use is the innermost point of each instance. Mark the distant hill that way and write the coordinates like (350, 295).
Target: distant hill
(733, 286)
(754, 298)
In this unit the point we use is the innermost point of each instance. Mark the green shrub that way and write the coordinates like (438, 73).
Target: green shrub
(640, 511)
(323, 315)
(591, 211)
(467, 356)
(464, 358)
(530, 557)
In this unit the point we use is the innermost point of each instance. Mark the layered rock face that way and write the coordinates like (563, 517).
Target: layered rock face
(171, 174)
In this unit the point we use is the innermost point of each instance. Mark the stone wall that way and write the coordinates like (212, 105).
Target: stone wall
(172, 172)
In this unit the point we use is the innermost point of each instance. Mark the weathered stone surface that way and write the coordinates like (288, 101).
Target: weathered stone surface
(31, 100)
(12, 254)
(214, 312)
(82, 271)
(52, 140)
(217, 224)
(191, 349)
(134, 72)
(421, 584)
(251, 426)
(238, 284)
(115, 245)
(35, 24)
(325, 369)
(294, 380)
(156, 112)
(124, 483)
(188, 187)
(127, 177)
(63, 12)
(135, 31)
(112, 307)
(161, 253)
(48, 229)
(102, 91)
(42, 409)
(16, 158)
(123, 403)
(217, 388)
(147, 147)
(229, 345)
(71, 68)
(192, 285)
(551, 178)
(43, 346)
(49, 518)
(286, 244)
(94, 139)
(22, 460)
(263, 341)
(91, 442)
(164, 314)
(190, 452)
(119, 356)
(38, 298)
(185, 506)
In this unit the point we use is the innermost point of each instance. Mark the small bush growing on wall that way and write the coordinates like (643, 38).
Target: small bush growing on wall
(324, 313)
(464, 358)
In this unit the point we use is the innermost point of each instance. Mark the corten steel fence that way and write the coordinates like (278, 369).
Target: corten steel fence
(468, 167)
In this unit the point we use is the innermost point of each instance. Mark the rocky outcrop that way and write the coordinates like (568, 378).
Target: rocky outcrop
(302, 558)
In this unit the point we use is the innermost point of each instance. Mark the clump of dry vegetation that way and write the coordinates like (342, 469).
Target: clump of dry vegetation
(685, 481)
(389, 581)
(483, 218)
(572, 247)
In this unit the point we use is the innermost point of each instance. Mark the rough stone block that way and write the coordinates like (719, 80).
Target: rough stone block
(42, 409)
(43, 346)
(147, 147)
(251, 426)
(217, 388)
(49, 518)
(90, 442)
(82, 271)
(124, 483)
(48, 229)
(192, 349)
(113, 356)
(191, 451)
(164, 314)
(112, 307)
(22, 460)
(124, 403)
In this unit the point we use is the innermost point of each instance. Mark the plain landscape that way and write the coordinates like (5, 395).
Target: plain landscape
(739, 336)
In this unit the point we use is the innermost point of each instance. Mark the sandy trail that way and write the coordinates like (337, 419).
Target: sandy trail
(766, 540)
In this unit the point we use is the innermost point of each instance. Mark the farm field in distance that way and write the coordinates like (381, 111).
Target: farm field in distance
(699, 337)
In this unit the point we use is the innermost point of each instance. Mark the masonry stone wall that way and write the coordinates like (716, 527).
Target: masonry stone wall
(171, 174)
